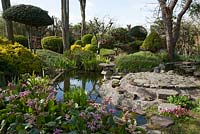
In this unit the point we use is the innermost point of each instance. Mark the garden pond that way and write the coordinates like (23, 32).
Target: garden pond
(91, 83)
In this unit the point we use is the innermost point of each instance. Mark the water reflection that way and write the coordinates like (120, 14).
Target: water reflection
(90, 82)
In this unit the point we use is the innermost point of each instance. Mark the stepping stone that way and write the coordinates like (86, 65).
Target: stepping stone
(166, 106)
(160, 121)
(164, 93)
(116, 77)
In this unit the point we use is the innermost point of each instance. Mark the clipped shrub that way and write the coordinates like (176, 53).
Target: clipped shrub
(86, 39)
(138, 32)
(140, 61)
(135, 45)
(4, 41)
(78, 42)
(90, 47)
(152, 43)
(75, 47)
(52, 43)
(21, 39)
(17, 59)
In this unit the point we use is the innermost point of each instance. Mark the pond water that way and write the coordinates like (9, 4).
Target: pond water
(90, 82)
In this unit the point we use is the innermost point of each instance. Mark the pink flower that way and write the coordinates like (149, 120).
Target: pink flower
(112, 111)
(57, 131)
(24, 94)
(12, 97)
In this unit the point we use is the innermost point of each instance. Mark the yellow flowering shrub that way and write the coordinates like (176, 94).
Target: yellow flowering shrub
(75, 47)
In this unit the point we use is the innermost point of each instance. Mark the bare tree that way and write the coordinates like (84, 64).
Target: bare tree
(172, 28)
(99, 29)
(83, 25)
(65, 23)
(9, 26)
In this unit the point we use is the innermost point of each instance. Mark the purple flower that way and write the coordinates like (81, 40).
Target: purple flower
(12, 97)
(57, 131)
(112, 111)
(24, 94)
(31, 103)
(11, 85)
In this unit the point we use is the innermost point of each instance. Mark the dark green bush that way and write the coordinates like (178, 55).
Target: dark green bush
(16, 59)
(138, 32)
(86, 39)
(120, 35)
(52, 43)
(78, 42)
(140, 61)
(21, 39)
(135, 45)
(152, 43)
(106, 42)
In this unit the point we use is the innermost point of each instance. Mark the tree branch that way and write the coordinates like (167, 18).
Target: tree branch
(172, 4)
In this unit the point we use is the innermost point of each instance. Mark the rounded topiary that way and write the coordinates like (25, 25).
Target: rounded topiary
(21, 39)
(152, 43)
(120, 35)
(138, 32)
(52, 43)
(78, 42)
(135, 45)
(86, 39)
(28, 14)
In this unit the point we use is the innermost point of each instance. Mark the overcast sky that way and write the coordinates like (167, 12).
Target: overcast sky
(123, 12)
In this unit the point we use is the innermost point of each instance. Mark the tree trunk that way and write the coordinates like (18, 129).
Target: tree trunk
(172, 31)
(9, 26)
(83, 24)
(65, 24)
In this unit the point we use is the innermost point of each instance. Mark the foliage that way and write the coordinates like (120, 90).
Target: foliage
(28, 14)
(16, 59)
(183, 101)
(85, 60)
(75, 47)
(86, 39)
(54, 60)
(90, 47)
(78, 42)
(138, 32)
(140, 61)
(107, 52)
(52, 43)
(120, 35)
(30, 107)
(152, 43)
(21, 39)
(106, 41)
(135, 45)
(162, 54)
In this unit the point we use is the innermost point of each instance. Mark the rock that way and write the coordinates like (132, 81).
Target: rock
(118, 77)
(162, 67)
(154, 132)
(166, 106)
(115, 83)
(164, 93)
(196, 73)
(156, 70)
(160, 121)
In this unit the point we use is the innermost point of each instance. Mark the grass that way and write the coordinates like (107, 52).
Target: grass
(104, 51)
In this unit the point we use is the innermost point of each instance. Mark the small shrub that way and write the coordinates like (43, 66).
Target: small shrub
(152, 43)
(140, 61)
(86, 39)
(183, 101)
(90, 47)
(16, 59)
(75, 47)
(52, 43)
(78, 42)
(21, 39)
(135, 46)
(163, 55)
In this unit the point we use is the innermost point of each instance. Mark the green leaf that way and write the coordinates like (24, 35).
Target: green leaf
(51, 124)
(34, 131)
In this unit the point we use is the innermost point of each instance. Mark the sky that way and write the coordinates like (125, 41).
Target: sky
(123, 12)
